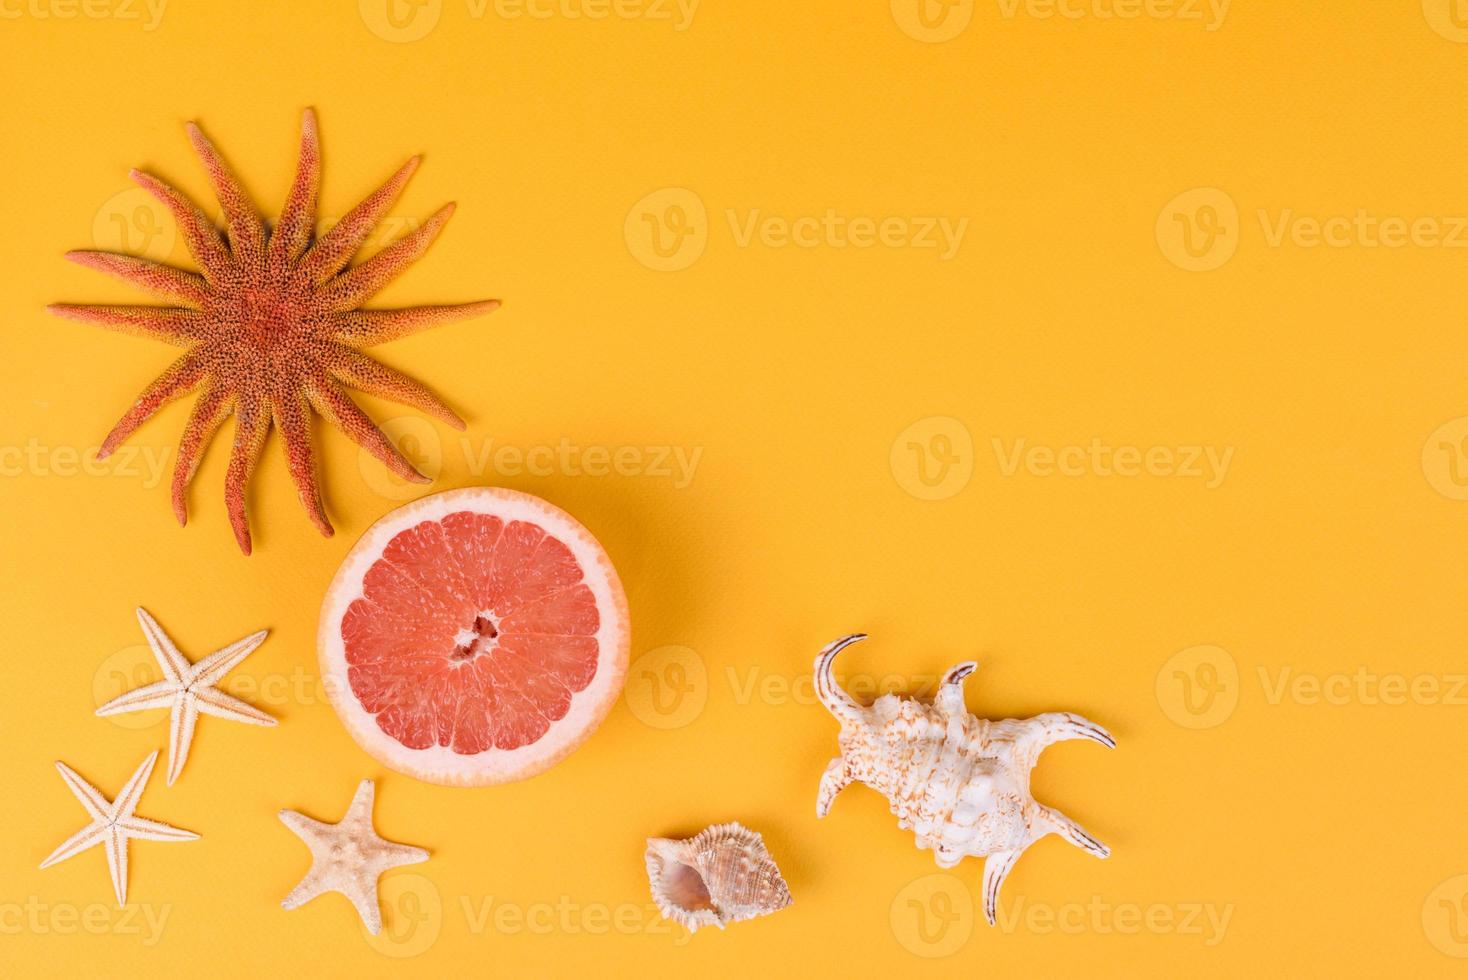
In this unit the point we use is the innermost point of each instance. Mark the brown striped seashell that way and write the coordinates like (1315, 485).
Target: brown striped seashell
(959, 782)
(723, 875)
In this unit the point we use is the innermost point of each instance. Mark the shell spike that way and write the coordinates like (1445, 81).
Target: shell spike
(1062, 726)
(950, 689)
(836, 700)
(1057, 823)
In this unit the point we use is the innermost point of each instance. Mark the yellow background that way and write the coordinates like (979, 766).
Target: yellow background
(1328, 835)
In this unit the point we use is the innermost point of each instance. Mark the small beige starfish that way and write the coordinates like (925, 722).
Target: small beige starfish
(348, 857)
(187, 689)
(113, 823)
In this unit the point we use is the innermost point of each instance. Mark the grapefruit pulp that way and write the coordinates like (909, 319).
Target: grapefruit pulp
(473, 637)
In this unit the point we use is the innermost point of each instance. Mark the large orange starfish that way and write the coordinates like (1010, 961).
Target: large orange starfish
(273, 326)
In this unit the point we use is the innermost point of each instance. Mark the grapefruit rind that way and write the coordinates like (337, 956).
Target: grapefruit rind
(589, 707)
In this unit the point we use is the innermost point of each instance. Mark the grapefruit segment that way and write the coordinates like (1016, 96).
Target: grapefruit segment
(474, 637)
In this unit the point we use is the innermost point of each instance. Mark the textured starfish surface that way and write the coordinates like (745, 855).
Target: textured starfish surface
(348, 857)
(113, 822)
(188, 689)
(272, 326)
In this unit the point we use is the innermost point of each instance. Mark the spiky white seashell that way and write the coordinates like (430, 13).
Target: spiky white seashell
(723, 875)
(961, 783)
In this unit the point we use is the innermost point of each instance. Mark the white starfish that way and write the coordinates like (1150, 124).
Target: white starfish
(348, 857)
(188, 689)
(113, 823)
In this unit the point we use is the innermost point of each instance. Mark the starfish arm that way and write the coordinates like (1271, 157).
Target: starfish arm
(304, 827)
(145, 829)
(199, 233)
(362, 893)
(172, 325)
(209, 413)
(181, 721)
(213, 701)
(394, 855)
(293, 417)
(293, 230)
(208, 671)
(368, 328)
(160, 694)
(152, 277)
(246, 228)
(308, 888)
(357, 370)
(352, 288)
(175, 665)
(181, 377)
(328, 398)
(117, 862)
(96, 804)
(128, 796)
(335, 249)
(250, 429)
(361, 809)
(89, 836)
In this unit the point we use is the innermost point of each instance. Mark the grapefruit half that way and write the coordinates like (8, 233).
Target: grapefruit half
(473, 637)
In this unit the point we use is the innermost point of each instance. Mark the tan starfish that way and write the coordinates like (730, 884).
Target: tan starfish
(187, 689)
(348, 857)
(113, 823)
